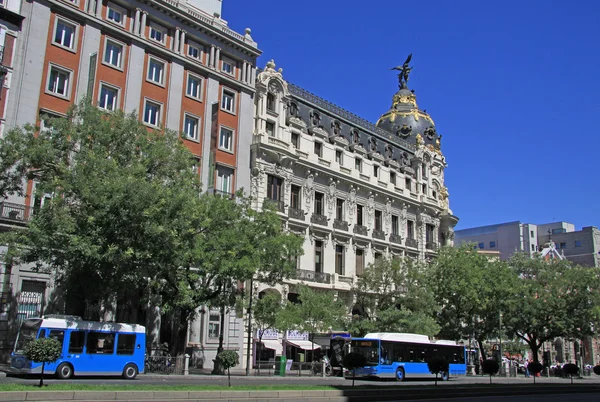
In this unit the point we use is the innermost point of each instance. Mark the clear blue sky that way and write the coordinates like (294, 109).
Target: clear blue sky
(512, 86)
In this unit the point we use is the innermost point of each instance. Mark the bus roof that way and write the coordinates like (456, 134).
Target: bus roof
(398, 336)
(63, 323)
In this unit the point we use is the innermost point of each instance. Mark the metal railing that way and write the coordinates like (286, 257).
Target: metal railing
(296, 214)
(394, 238)
(431, 246)
(165, 365)
(319, 219)
(312, 276)
(361, 230)
(279, 205)
(14, 212)
(379, 234)
(340, 225)
(411, 243)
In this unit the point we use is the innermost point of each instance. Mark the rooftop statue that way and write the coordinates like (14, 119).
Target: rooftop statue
(404, 73)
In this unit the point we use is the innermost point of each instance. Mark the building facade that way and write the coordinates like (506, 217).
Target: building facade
(355, 191)
(579, 246)
(174, 62)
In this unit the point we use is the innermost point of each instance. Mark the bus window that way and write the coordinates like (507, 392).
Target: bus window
(125, 344)
(100, 343)
(76, 341)
(59, 335)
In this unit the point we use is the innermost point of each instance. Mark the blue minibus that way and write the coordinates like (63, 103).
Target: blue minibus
(401, 355)
(88, 347)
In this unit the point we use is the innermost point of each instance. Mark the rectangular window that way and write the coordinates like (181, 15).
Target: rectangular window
(194, 87)
(113, 54)
(64, 34)
(378, 256)
(296, 140)
(378, 218)
(429, 233)
(100, 343)
(214, 326)
(532, 234)
(532, 247)
(492, 244)
(563, 245)
(410, 229)
(408, 184)
(227, 66)
(76, 341)
(58, 335)
(481, 245)
(296, 203)
(224, 179)
(359, 215)
(156, 71)
(339, 259)
(190, 127)
(394, 225)
(339, 157)
(108, 98)
(194, 51)
(59, 81)
(125, 344)
(226, 139)
(577, 243)
(360, 262)
(158, 33)
(375, 170)
(358, 164)
(270, 129)
(152, 113)
(393, 178)
(270, 102)
(318, 256)
(339, 209)
(424, 188)
(318, 149)
(274, 184)
(228, 101)
(115, 14)
(319, 207)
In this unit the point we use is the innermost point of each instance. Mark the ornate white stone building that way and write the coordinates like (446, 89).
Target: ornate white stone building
(356, 191)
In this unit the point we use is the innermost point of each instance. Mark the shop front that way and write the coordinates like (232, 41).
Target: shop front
(267, 345)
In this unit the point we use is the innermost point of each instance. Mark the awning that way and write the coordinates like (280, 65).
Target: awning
(273, 345)
(306, 345)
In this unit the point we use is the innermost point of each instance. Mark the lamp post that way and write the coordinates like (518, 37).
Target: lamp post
(502, 372)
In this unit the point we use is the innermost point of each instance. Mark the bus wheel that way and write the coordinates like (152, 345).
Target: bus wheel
(130, 372)
(399, 374)
(64, 371)
(445, 376)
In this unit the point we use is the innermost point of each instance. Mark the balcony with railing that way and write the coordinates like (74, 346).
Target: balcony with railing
(394, 238)
(15, 213)
(339, 224)
(296, 213)
(411, 243)
(319, 219)
(279, 205)
(378, 234)
(361, 230)
(223, 194)
(312, 276)
(431, 246)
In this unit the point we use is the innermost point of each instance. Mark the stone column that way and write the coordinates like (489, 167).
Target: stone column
(143, 25)
(176, 34)
(136, 22)
(182, 42)
(211, 59)
(217, 57)
(98, 8)
(243, 77)
(253, 75)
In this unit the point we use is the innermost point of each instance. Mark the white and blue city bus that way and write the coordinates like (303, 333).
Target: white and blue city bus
(88, 347)
(400, 356)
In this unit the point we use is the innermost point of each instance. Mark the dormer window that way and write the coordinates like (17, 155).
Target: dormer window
(315, 119)
(293, 109)
(355, 137)
(270, 102)
(337, 129)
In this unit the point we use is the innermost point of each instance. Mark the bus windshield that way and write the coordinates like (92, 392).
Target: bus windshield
(28, 333)
(367, 348)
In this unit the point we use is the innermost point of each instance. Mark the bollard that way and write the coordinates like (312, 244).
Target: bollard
(323, 369)
(186, 365)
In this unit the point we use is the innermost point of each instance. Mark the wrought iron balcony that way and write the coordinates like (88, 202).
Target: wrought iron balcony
(223, 194)
(394, 238)
(296, 213)
(340, 225)
(14, 212)
(279, 205)
(319, 219)
(379, 234)
(411, 243)
(361, 230)
(431, 246)
(312, 276)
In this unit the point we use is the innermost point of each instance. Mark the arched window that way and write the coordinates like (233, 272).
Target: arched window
(270, 102)
(355, 137)
(316, 119)
(337, 128)
(293, 109)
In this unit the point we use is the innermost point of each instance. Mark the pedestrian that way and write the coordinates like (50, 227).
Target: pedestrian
(527, 368)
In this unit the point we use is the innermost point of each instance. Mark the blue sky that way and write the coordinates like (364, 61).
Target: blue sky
(512, 86)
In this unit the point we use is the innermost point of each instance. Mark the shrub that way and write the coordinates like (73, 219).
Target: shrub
(43, 350)
(535, 368)
(438, 365)
(571, 369)
(352, 361)
(490, 367)
(228, 359)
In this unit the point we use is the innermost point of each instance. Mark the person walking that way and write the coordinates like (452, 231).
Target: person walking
(527, 369)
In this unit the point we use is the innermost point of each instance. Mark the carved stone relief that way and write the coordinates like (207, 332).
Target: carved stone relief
(387, 218)
(351, 204)
(309, 191)
(370, 209)
(331, 199)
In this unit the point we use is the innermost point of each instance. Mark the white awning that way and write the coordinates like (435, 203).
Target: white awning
(273, 345)
(306, 345)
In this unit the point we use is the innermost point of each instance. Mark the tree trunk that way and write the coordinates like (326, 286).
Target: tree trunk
(353, 376)
(481, 350)
(436, 374)
(248, 359)
(218, 369)
(490, 378)
(42, 375)
(533, 345)
(228, 377)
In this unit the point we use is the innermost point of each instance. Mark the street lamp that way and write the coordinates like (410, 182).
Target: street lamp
(500, 346)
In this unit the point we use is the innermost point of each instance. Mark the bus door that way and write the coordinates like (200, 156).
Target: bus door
(59, 335)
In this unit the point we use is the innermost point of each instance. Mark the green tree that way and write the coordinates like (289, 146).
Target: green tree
(228, 359)
(393, 296)
(438, 365)
(43, 350)
(490, 367)
(265, 314)
(317, 311)
(473, 291)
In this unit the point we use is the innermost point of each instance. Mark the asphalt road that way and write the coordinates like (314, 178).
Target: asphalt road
(528, 398)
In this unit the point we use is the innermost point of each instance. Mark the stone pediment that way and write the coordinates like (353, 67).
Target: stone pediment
(296, 122)
(358, 149)
(407, 169)
(376, 155)
(341, 141)
(319, 132)
(392, 163)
